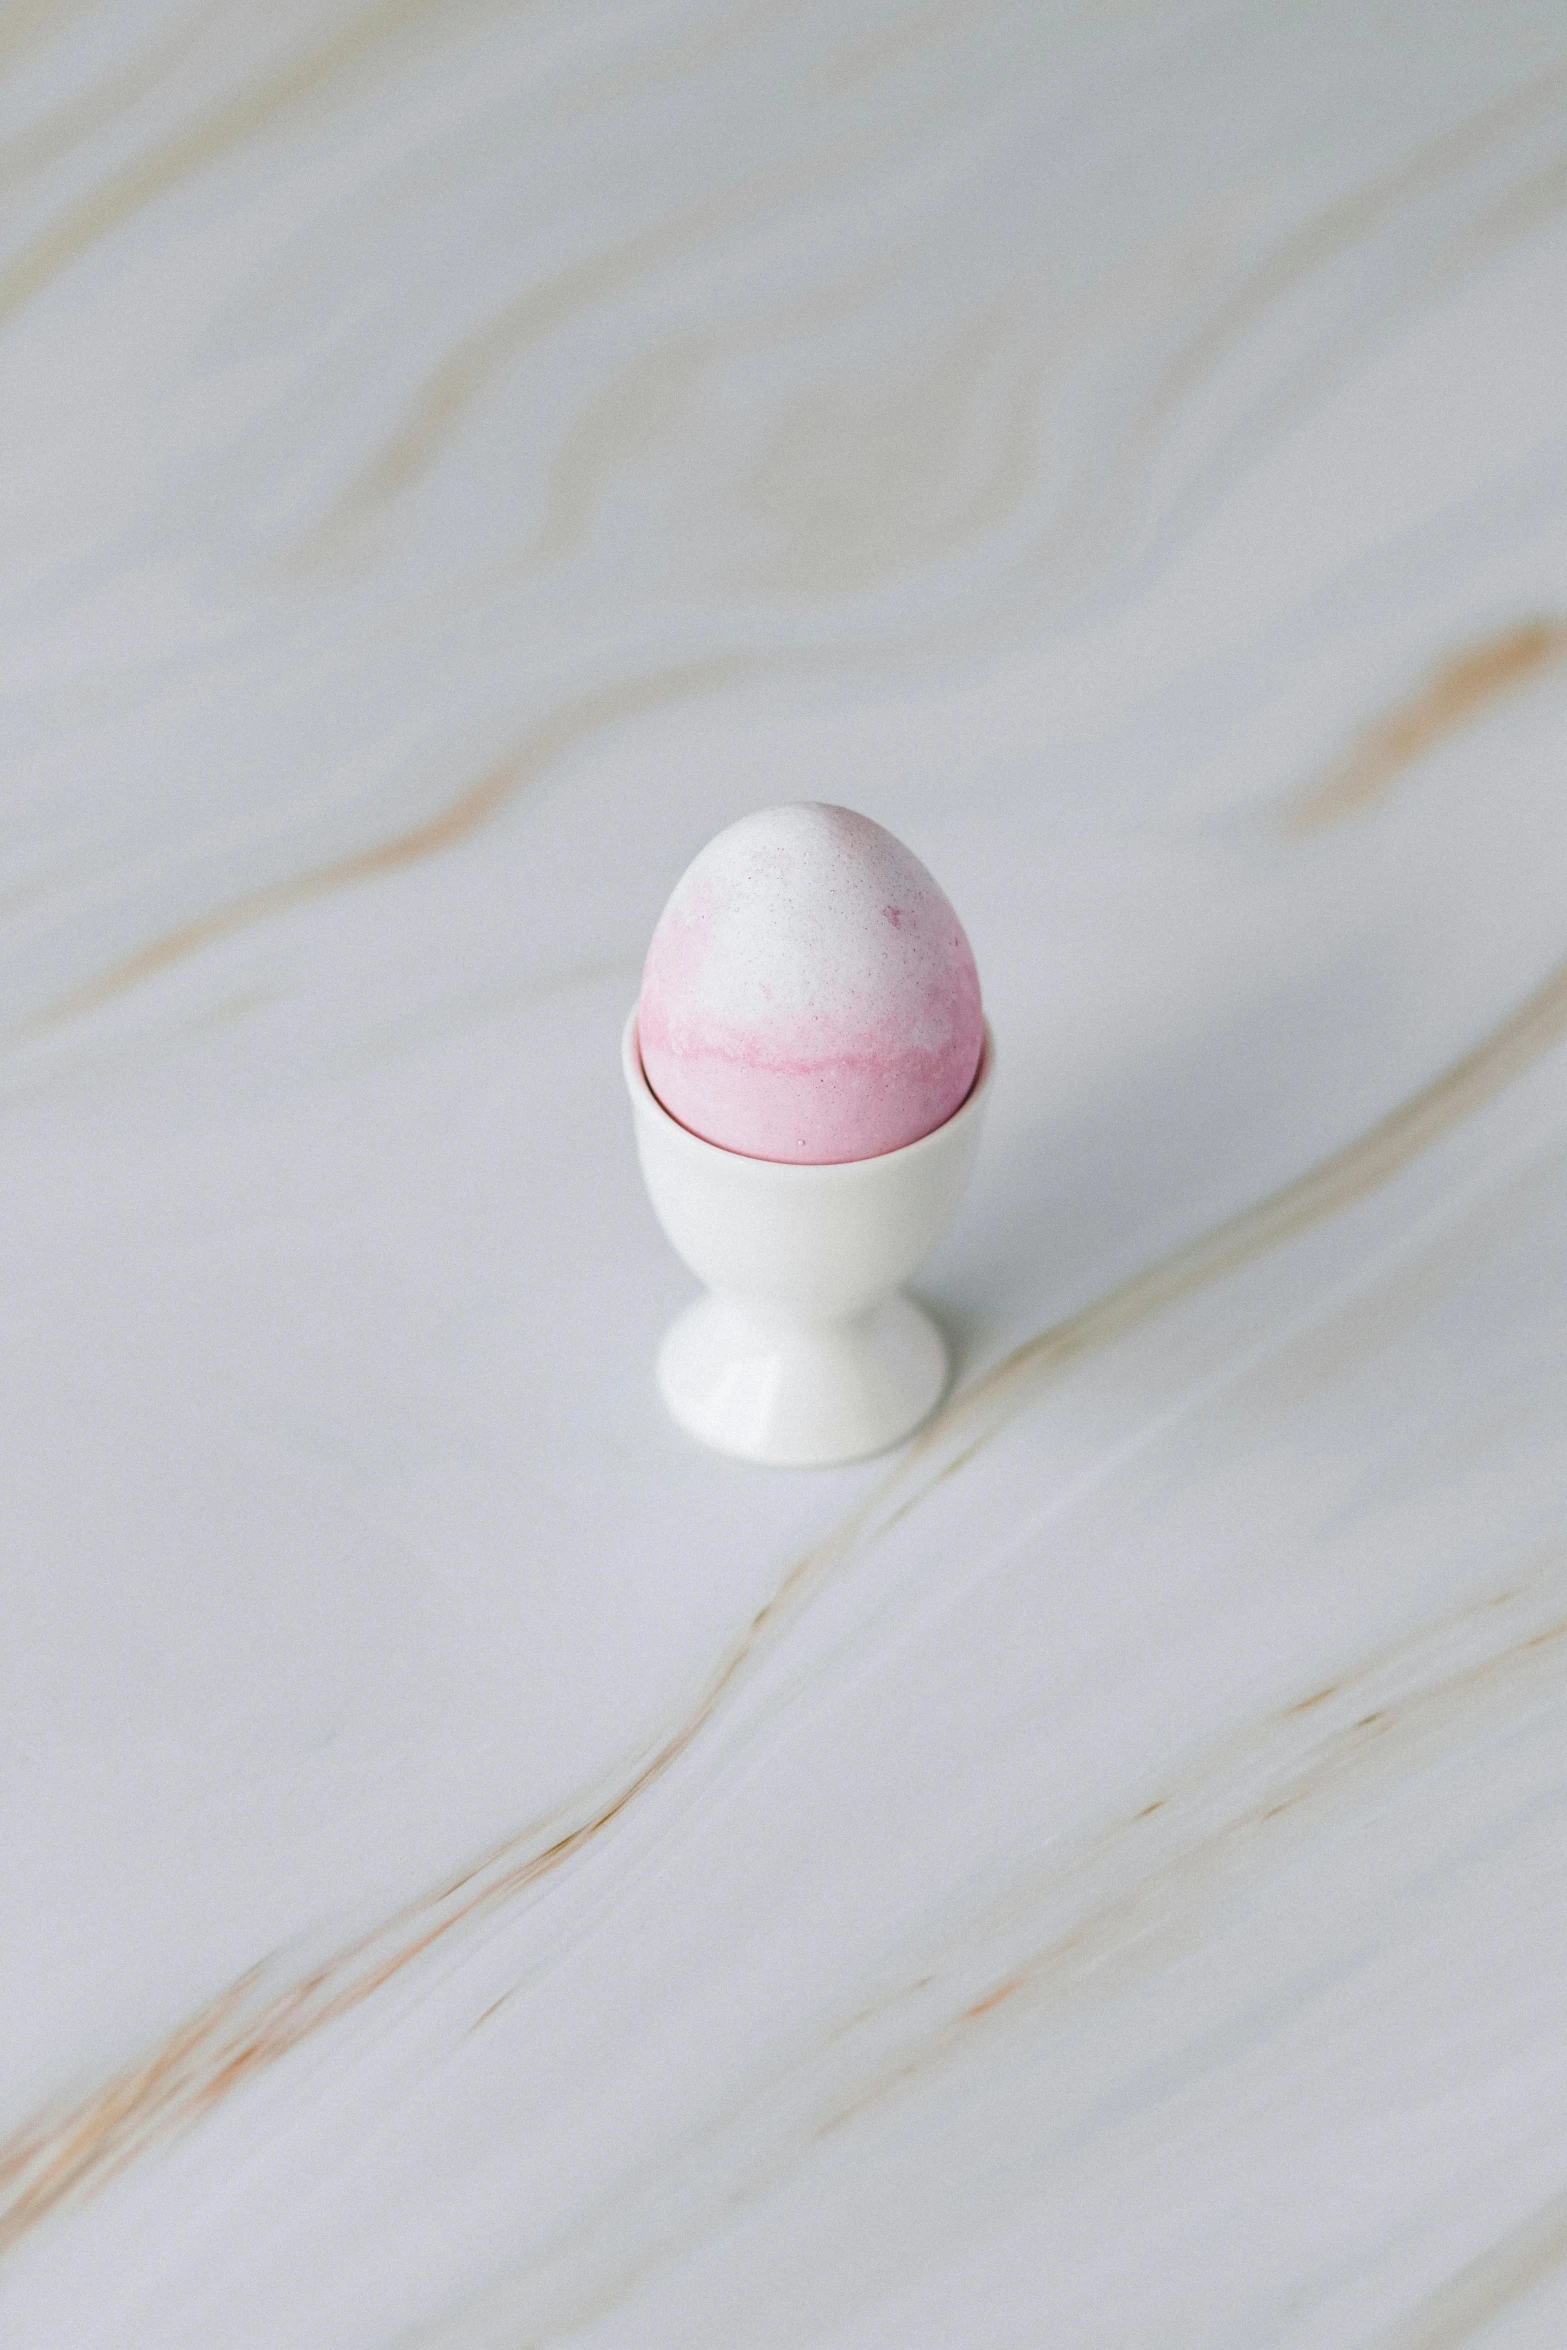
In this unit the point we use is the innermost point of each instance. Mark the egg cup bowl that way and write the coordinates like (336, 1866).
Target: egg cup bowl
(805, 1352)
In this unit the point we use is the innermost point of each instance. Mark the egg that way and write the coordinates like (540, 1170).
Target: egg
(809, 994)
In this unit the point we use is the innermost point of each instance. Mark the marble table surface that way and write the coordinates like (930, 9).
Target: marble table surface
(479, 1873)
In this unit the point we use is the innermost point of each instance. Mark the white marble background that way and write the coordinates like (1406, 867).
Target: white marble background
(477, 1873)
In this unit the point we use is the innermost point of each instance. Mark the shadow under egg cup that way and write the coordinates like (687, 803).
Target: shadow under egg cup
(804, 1353)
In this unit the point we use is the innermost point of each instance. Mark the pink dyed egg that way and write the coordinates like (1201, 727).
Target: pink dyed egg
(809, 994)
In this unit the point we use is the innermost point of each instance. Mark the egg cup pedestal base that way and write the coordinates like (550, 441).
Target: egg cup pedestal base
(795, 1396)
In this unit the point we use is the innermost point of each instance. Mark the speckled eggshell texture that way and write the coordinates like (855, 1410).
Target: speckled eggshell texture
(809, 994)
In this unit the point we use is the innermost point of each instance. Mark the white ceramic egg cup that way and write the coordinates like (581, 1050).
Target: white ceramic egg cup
(805, 1353)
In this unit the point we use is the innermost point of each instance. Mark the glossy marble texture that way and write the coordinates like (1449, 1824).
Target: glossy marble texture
(478, 1873)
